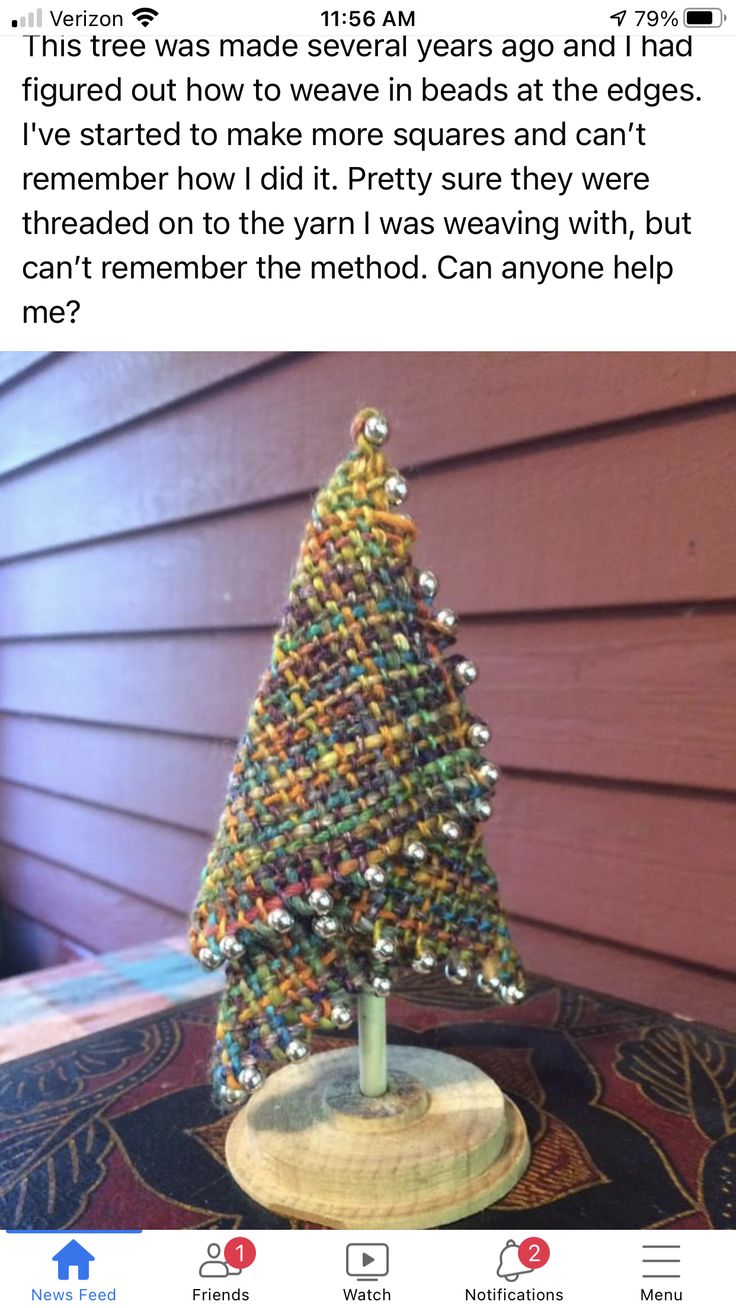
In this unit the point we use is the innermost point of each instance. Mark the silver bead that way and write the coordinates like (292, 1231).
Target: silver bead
(280, 920)
(342, 1015)
(428, 584)
(510, 994)
(456, 972)
(376, 429)
(231, 947)
(209, 959)
(415, 851)
(381, 986)
(425, 963)
(326, 926)
(251, 1078)
(296, 1051)
(482, 810)
(488, 985)
(396, 488)
(320, 901)
(450, 829)
(384, 949)
(231, 1098)
(488, 773)
(465, 672)
(375, 877)
(447, 619)
(479, 735)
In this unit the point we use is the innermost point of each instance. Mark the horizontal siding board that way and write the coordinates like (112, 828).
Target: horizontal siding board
(81, 394)
(650, 870)
(13, 363)
(141, 682)
(577, 856)
(169, 778)
(610, 969)
(644, 698)
(160, 863)
(96, 915)
(224, 572)
(641, 698)
(629, 534)
(281, 432)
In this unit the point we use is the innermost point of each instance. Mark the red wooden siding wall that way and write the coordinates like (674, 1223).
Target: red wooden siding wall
(579, 511)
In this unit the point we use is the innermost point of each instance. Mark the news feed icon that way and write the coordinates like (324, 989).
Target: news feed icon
(75, 1256)
(366, 1261)
(34, 18)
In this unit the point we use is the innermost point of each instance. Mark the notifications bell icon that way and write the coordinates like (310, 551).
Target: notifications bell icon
(516, 1259)
(510, 1266)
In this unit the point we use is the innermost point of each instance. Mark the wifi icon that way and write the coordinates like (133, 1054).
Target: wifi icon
(145, 15)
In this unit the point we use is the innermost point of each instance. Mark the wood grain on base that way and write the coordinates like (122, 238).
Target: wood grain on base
(309, 1146)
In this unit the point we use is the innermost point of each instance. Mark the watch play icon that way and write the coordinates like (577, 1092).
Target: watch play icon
(367, 1261)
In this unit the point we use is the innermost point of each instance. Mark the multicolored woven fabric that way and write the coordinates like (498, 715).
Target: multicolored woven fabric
(350, 841)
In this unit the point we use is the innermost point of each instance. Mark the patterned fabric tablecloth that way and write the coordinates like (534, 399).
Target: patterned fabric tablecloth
(631, 1114)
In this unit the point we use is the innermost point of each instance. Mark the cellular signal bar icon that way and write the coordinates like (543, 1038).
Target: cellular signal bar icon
(34, 19)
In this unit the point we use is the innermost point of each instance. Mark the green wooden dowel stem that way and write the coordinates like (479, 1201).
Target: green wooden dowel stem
(372, 1045)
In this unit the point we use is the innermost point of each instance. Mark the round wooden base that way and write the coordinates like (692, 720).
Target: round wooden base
(442, 1143)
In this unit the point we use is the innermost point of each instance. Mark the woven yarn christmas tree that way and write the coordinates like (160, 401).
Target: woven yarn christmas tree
(350, 843)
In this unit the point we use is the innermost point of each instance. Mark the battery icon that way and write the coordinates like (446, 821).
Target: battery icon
(703, 17)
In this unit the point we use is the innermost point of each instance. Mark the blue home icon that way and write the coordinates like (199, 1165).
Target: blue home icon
(73, 1255)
